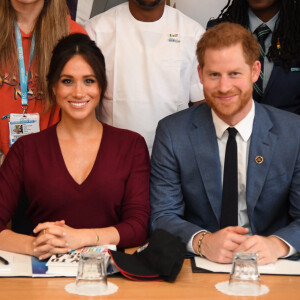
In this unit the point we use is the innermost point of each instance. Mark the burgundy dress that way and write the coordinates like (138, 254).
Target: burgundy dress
(115, 193)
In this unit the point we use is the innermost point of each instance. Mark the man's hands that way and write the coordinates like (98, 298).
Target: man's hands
(269, 249)
(221, 245)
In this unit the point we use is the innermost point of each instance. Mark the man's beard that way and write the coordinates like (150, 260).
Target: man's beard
(231, 109)
(143, 4)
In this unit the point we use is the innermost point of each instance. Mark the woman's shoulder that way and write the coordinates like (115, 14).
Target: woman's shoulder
(120, 132)
(75, 27)
(119, 136)
(33, 142)
(38, 137)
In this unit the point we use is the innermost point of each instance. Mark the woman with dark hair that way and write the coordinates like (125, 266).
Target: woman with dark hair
(87, 183)
(280, 77)
(32, 28)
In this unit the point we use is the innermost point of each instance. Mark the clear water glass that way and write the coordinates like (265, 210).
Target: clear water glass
(91, 274)
(244, 276)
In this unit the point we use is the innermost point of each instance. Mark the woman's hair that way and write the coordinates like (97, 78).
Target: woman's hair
(76, 44)
(51, 25)
(225, 35)
(287, 30)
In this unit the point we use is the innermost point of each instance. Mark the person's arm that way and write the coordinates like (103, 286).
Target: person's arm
(268, 249)
(166, 198)
(89, 26)
(2, 156)
(196, 88)
(57, 237)
(135, 212)
(11, 183)
(221, 245)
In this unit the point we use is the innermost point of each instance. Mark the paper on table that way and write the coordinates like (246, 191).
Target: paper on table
(30, 266)
(20, 264)
(281, 267)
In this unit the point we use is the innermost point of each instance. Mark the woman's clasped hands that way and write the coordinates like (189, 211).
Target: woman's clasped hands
(55, 238)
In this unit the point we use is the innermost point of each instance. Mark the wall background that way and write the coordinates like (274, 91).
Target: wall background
(200, 10)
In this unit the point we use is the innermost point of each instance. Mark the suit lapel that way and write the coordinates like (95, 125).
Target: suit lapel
(205, 146)
(261, 146)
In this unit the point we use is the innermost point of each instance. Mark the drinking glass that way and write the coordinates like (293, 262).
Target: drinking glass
(91, 274)
(244, 276)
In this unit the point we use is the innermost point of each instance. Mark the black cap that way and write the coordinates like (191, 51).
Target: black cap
(159, 259)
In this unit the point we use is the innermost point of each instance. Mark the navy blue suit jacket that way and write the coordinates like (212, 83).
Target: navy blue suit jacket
(283, 88)
(186, 188)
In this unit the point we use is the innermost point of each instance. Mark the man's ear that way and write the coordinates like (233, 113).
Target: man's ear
(200, 73)
(256, 70)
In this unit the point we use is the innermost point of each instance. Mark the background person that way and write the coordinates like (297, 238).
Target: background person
(87, 183)
(281, 62)
(257, 207)
(48, 21)
(149, 49)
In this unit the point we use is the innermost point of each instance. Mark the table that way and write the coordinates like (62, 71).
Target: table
(188, 285)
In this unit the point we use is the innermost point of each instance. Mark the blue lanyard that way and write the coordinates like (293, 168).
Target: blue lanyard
(22, 70)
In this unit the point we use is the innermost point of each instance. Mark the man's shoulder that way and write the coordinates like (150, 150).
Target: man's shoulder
(108, 16)
(280, 118)
(188, 116)
(178, 16)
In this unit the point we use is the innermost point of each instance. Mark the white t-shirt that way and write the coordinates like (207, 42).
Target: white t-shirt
(151, 67)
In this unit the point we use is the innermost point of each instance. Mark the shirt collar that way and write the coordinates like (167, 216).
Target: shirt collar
(244, 127)
(254, 21)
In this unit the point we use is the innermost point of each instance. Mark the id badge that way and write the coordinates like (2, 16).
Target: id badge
(22, 124)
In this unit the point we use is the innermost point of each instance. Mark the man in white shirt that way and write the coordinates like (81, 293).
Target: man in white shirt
(257, 207)
(149, 49)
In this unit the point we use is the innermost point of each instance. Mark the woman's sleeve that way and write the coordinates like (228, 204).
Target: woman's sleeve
(133, 229)
(11, 183)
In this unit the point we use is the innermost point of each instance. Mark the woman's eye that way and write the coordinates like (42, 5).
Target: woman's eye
(89, 80)
(66, 81)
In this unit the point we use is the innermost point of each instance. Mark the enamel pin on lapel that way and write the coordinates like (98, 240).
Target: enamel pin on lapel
(259, 159)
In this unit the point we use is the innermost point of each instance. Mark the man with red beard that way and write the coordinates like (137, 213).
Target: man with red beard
(225, 174)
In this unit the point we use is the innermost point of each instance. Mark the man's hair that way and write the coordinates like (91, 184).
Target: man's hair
(287, 29)
(225, 35)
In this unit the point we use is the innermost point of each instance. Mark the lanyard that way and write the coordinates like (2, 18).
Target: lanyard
(22, 70)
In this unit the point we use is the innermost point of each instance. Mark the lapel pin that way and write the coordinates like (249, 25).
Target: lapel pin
(259, 159)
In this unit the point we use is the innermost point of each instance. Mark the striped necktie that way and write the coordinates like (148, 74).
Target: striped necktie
(261, 32)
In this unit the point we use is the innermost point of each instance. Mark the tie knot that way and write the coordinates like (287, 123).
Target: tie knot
(232, 131)
(262, 32)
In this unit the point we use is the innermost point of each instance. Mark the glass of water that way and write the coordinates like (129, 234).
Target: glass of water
(244, 276)
(91, 274)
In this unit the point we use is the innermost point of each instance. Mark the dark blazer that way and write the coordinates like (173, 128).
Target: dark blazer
(283, 88)
(186, 188)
